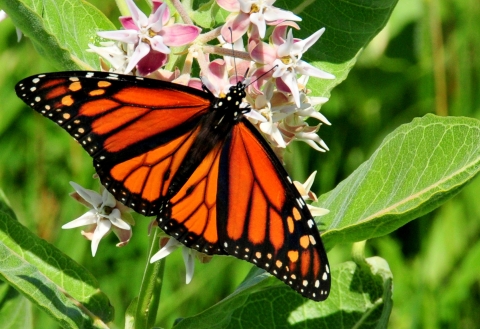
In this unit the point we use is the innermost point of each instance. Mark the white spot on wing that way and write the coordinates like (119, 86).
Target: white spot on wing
(300, 204)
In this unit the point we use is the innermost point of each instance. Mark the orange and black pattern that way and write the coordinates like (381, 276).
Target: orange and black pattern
(193, 161)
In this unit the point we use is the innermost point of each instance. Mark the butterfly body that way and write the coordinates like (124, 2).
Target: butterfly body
(195, 162)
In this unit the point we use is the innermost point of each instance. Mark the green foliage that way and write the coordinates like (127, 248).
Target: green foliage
(49, 278)
(60, 31)
(361, 297)
(375, 187)
(415, 169)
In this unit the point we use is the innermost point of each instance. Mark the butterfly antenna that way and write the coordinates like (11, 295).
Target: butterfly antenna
(261, 76)
(233, 54)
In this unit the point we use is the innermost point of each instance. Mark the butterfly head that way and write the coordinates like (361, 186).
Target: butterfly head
(232, 101)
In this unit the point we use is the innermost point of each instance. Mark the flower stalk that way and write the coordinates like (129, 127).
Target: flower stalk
(151, 288)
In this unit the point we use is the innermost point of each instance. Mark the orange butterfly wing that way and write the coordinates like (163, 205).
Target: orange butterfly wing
(137, 136)
(267, 221)
(161, 149)
(240, 201)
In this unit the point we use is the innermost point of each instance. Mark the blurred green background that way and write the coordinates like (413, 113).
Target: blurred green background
(425, 61)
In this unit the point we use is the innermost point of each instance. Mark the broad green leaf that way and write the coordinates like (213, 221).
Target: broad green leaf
(51, 280)
(350, 26)
(416, 168)
(15, 309)
(360, 297)
(60, 30)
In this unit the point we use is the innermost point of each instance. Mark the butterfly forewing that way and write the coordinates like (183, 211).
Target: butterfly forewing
(137, 130)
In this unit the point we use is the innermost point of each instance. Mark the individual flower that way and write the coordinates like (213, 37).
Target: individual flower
(284, 58)
(169, 245)
(255, 13)
(152, 36)
(285, 121)
(303, 132)
(106, 214)
(114, 54)
(304, 190)
(270, 104)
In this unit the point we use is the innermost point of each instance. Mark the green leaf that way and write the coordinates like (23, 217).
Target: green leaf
(51, 280)
(360, 297)
(416, 168)
(15, 310)
(204, 15)
(349, 27)
(60, 30)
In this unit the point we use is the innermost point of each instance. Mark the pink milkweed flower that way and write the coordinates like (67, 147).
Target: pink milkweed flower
(284, 58)
(255, 13)
(152, 36)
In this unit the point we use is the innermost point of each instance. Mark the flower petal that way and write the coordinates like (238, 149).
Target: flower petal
(229, 5)
(189, 261)
(263, 53)
(310, 70)
(128, 23)
(151, 62)
(157, 44)
(140, 52)
(138, 16)
(90, 217)
(156, 20)
(90, 196)
(259, 20)
(310, 41)
(108, 199)
(180, 34)
(170, 247)
(290, 80)
(317, 211)
(116, 219)
(279, 33)
(254, 115)
(239, 25)
(127, 36)
(273, 14)
(103, 227)
(123, 235)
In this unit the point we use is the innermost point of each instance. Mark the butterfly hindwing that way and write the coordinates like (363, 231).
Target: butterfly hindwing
(190, 215)
(263, 218)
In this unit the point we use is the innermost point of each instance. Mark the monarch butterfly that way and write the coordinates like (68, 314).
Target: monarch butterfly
(194, 161)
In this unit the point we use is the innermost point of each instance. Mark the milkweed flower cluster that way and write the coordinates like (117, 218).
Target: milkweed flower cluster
(278, 97)
(240, 49)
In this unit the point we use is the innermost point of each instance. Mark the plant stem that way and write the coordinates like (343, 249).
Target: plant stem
(149, 296)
